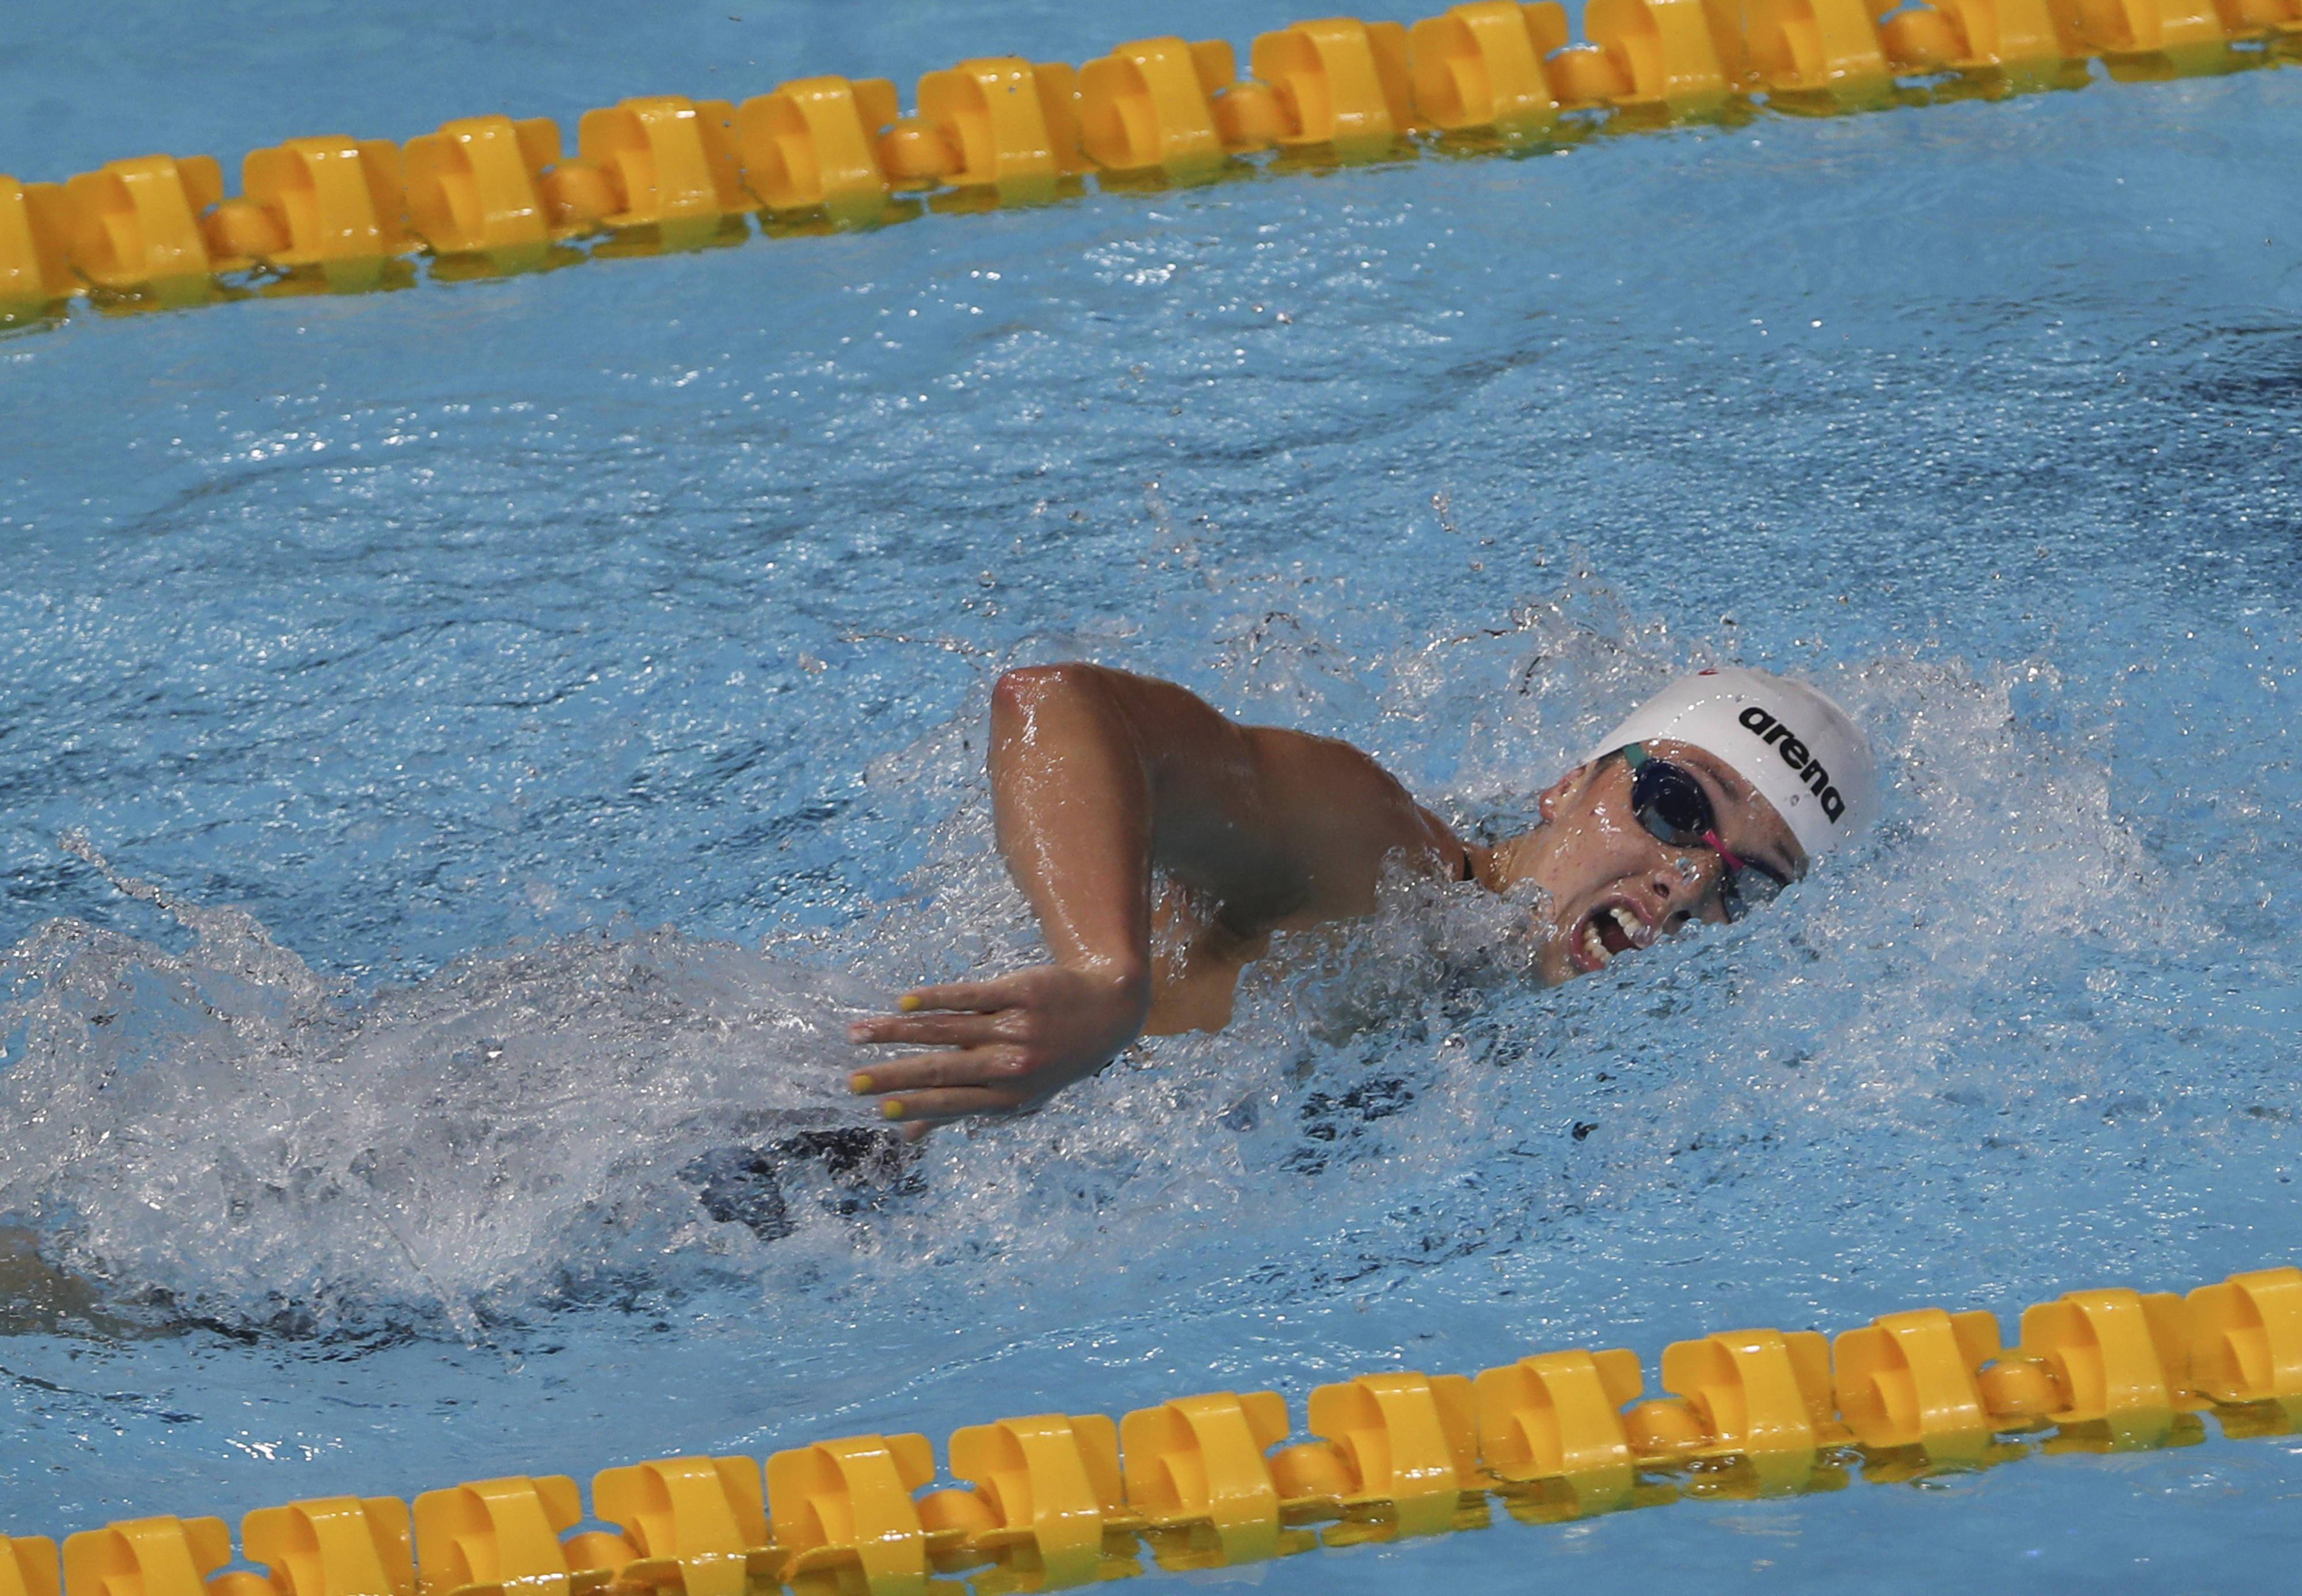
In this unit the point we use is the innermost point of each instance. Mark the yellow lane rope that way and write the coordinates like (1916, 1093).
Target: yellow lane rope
(1057, 1500)
(490, 194)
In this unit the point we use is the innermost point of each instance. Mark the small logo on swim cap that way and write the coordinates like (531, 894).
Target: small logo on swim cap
(1797, 756)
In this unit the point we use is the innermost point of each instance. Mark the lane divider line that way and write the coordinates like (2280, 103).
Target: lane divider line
(1052, 1501)
(489, 195)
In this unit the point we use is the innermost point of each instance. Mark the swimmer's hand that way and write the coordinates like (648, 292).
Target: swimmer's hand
(1002, 1046)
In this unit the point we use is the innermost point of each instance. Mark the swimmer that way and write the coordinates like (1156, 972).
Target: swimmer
(1123, 803)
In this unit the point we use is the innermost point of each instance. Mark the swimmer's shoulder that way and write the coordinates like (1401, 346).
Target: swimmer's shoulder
(1350, 808)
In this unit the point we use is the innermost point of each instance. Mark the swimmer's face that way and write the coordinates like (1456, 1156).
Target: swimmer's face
(1614, 887)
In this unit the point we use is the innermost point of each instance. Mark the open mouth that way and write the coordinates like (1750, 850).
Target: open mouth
(1610, 929)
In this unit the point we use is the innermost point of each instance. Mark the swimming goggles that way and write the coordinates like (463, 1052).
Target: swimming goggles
(1671, 803)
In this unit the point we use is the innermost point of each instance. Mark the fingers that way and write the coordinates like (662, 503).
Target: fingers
(924, 1109)
(984, 997)
(970, 1067)
(978, 1071)
(928, 1030)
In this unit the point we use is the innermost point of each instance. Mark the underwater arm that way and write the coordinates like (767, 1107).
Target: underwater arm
(1097, 777)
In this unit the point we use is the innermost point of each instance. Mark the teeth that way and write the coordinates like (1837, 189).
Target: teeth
(1624, 917)
(1594, 949)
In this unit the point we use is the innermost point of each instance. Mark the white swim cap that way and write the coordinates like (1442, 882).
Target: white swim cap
(1801, 751)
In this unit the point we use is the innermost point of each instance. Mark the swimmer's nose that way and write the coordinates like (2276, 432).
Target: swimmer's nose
(1679, 894)
(1661, 890)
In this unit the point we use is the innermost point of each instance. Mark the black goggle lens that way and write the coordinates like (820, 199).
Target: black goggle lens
(1673, 807)
(1671, 803)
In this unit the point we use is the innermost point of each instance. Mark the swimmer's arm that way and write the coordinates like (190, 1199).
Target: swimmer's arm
(1075, 787)
(1099, 776)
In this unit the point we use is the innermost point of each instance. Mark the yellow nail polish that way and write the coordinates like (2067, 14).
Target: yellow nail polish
(909, 1006)
(891, 1111)
(859, 1083)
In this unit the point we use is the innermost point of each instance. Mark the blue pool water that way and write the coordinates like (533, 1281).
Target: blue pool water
(464, 752)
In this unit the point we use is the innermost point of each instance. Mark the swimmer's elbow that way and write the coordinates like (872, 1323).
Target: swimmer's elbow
(1028, 685)
(1021, 694)
(1155, 723)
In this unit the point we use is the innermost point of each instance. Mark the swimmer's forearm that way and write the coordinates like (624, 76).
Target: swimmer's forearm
(1074, 803)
